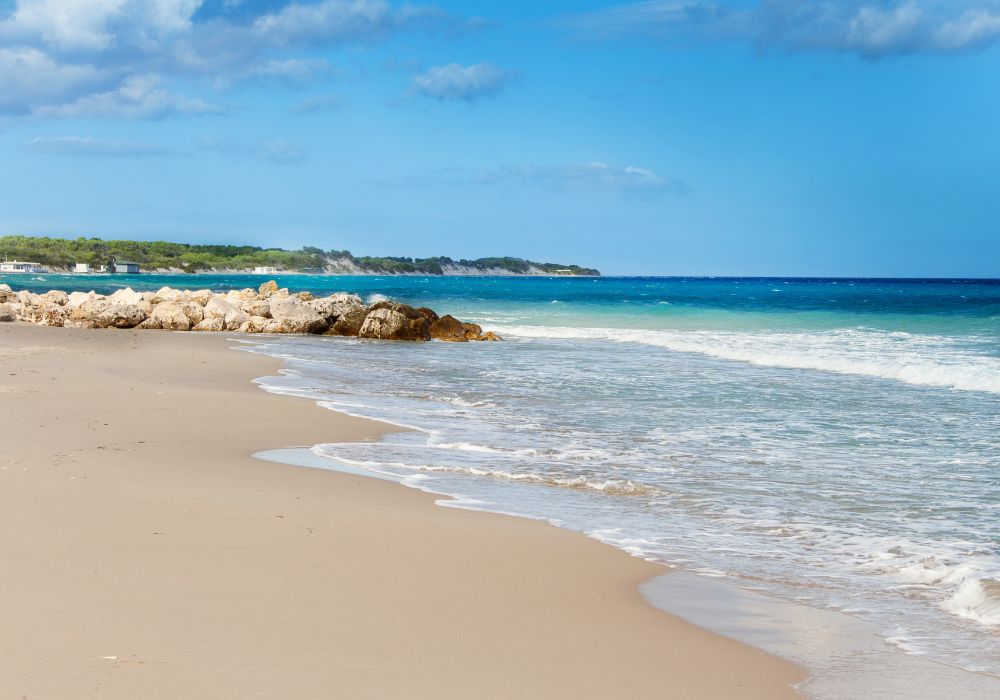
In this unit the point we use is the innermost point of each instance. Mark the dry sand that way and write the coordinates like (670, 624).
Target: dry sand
(144, 554)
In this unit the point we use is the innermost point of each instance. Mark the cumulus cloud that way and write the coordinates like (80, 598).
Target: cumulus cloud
(869, 28)
(593, 176)
(62, 57)
(458, 82)
(88, 147)
(139, 97)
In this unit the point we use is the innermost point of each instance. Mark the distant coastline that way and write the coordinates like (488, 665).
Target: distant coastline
(64, 255)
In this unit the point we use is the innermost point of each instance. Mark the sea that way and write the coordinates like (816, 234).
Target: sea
(828, 443)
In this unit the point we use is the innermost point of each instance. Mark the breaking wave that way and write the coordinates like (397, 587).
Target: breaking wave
(914, 359)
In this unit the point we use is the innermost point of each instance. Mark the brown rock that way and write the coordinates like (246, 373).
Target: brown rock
(449, 329)
(473, 331)
(429, 314)
(120, 316)
(268, 288)
(349, 322)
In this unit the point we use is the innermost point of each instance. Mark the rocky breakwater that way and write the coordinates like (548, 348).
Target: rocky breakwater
(268, 309)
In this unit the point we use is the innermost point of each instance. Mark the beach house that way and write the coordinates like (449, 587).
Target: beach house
(21, 267)
(124, 267)
(265, 270)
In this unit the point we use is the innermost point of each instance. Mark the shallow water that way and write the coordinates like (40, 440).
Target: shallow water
(829, 442)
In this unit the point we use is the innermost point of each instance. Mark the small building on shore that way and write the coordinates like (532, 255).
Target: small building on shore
(87, 268)
(263, 270)
(124, 267)
(21, 266)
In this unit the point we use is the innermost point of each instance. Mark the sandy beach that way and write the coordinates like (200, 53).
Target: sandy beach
(146, 554)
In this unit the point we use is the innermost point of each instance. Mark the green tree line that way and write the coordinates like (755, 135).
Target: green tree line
(151, 255)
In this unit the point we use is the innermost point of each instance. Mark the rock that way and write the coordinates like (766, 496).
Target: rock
(449, 329)
(334, 306)
(126, 296)
(168, 294)
(472, 331)
(52, 315)
(256, 307)
(404, 309)
(56, 296)
(268, 288)
(292, 316)
(7, 313)
(305, 296)
(256, 324)
(490, 335)
(429, 314)
(76, 298)
(195, 312)
(389, 324)
(346, 299)
(169, 315)
(120, 316)
(235, 319)
(201, 296)
(5, 288)
(349, 322)
(218, 307)
(211, 324)
(89, 310)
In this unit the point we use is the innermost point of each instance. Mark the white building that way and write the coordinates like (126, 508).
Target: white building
(125, 267)
(265, 270)
(19, 266)
(83, 268)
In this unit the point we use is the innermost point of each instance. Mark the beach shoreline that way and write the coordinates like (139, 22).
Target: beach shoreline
(149, 555)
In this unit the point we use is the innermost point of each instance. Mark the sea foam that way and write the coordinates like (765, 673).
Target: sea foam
(917, 360)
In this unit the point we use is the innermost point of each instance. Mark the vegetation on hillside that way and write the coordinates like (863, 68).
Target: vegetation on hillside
(65, 253)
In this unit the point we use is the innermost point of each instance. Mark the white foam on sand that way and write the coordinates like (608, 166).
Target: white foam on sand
(846, 657)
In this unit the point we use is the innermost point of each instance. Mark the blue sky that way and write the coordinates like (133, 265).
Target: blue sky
(857, 137)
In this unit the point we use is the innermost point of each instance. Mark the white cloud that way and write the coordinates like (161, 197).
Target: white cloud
(97, 24)
(29, 77)
(139, 97)
(78, 146)
(869, 28)
(458, 82)
(68, 57)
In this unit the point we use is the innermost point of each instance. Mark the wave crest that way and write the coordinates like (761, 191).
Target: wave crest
(921, 360)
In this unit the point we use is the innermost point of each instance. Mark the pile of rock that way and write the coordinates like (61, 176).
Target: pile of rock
(265, 310)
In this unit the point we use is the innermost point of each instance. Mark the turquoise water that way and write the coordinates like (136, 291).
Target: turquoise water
(830, 442)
